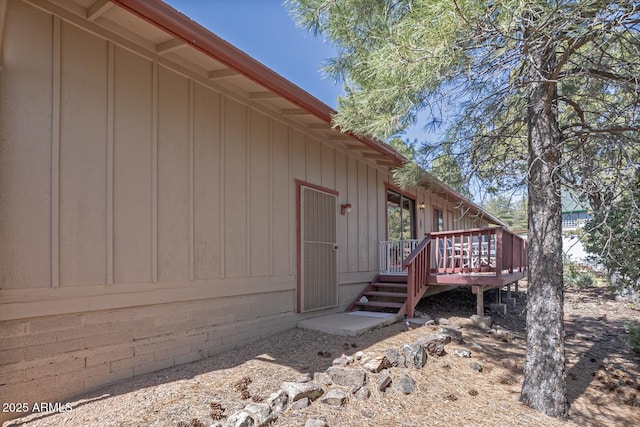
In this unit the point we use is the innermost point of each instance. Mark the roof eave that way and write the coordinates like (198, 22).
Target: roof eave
(183, 28)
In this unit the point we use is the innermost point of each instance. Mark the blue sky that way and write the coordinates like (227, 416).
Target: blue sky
(264, 30)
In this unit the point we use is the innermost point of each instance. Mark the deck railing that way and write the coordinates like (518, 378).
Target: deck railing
(418, 265)
(393, 253)
(479, 250)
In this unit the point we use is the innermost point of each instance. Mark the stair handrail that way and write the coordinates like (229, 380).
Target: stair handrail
(418, 266)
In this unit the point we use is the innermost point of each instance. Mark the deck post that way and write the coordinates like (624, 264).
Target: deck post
(479, 291)
(509, 290)
(499, 295)
(516, 286)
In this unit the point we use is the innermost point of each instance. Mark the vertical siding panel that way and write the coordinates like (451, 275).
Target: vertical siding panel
(372, 209)
(260, 244)
(328, 167)
(132, 168)
(281, 212)
(363, 218)
(25, 149)
(83, 162)
(173, 176)
(235, 185)
(382, 206)
(343, 220)
(352, 218)
(428, 217)
(298, 155)
(207, 200)
(313, 161)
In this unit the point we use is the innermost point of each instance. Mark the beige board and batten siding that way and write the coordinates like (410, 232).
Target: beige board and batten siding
(147, 219)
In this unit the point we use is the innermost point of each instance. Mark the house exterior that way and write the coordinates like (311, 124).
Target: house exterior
(164, 198)
(574, 217)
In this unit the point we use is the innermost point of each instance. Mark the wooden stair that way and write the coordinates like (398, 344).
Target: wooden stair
(385, 293)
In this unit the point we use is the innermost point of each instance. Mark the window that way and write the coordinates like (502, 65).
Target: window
(400, 216)
(438, 220)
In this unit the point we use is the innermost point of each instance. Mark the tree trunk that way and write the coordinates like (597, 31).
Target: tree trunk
(544, 386)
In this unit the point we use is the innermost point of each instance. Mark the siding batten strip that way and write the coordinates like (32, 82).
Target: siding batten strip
(270, 210)
(55, 156)
(248, 134)
(221, 200)
(154, 172)
(3, 15)
(192, 220)
(110, 144)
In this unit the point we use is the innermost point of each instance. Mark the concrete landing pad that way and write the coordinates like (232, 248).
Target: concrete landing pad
(350, 324)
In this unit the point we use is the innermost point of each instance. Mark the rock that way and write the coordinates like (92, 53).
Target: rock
(297, 391)
(347, 377)
(417, 320)
(363, 393)
(476, 345)
(460, 352)
(395, 358)
(278, 401)
(482, 322)
(453, 333)
(434, 344)
(240, 419)
(384, 381)
(322, 378)
(445, 338)
(415, 355)
(334, 397)
(260, 412)
(359, 355)
(427, 338)
(316, 422)
(304, 378)
(342, 361)
(405, 384)
(376, 364)
(476, 366)
(300, 404)
(435, 348)
(253, 415)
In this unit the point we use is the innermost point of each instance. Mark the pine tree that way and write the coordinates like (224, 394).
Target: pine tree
(548, 96)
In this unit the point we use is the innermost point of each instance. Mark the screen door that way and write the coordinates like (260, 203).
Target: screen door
(319, 269)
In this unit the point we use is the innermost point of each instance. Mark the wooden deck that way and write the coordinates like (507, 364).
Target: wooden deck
(481, 258)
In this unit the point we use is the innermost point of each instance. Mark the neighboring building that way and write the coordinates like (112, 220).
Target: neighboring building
(574, 217)
(164, 197)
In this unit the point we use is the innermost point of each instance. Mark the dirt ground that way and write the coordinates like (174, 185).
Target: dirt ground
(603, 375)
